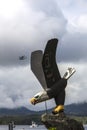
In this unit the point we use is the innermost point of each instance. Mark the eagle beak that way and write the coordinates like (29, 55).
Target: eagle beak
(33, 101)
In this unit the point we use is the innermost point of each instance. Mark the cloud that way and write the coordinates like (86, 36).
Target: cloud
(16, 86)
(73, 45)
(76, 87)
(22, 31)
(30, 26)
(80, 23)
(75, 7)
(73, 48)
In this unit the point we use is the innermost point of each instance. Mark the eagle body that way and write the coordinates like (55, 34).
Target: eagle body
(57, 88)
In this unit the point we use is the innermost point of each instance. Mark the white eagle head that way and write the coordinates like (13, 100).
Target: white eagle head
(39, 97)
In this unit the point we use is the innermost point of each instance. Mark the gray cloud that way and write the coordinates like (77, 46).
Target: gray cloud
(25, 31)
(74, 7)
(73, 48)
(49, 7)
(30, 29)
(16, 86)
(76, 91)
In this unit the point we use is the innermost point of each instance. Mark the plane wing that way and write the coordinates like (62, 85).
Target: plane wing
(36, 67)
(49, 65)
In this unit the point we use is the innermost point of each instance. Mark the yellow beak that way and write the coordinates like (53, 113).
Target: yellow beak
(33, 101)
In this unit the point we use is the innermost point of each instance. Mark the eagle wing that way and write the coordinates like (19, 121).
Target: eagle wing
(49, 65)
(36, 67)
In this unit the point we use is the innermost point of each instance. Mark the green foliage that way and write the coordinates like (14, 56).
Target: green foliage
(20, 120)
(82, 119)
(52, 128)
(27, 119)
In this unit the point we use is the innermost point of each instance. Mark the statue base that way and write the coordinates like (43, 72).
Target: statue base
(60, 122)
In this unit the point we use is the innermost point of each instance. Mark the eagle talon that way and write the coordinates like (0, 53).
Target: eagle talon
(59, 109)
(70, 71)
(57, 112)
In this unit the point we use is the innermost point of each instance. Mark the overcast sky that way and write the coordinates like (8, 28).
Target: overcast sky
(27, 25)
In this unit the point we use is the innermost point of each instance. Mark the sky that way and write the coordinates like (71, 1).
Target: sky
(26, 26)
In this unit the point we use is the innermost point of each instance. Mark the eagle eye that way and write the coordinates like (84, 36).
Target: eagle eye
(37, 96)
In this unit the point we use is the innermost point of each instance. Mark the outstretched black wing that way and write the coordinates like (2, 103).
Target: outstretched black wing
(49, 65)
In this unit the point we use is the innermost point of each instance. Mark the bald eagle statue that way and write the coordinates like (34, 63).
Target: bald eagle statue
(45, 68)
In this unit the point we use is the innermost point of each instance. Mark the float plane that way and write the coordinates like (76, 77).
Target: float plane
(22, 57)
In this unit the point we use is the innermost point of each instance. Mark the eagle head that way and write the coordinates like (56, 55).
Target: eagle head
(39, 97)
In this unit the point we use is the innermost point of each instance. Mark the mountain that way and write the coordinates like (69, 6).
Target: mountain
(15, 111)
(72, 109)
(79, 109)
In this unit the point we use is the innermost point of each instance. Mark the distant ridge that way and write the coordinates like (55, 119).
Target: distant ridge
(15, 111)
(79, 109)
(73, 109)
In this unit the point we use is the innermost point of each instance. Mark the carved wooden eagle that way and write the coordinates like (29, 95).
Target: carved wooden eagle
(45, 68)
